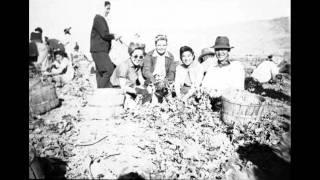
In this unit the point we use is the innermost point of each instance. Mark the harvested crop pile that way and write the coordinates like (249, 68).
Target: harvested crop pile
(175, 139)
(53, 139)
(242, 97)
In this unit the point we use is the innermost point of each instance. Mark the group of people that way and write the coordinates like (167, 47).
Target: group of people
(143, 72)
(54, 58)
(148, 73)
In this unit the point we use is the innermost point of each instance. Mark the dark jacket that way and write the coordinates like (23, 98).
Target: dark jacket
(100, 40)
(37, 37)
(150, 61)
(33, 50)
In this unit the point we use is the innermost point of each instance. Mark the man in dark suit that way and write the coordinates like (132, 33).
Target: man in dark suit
(100, 45)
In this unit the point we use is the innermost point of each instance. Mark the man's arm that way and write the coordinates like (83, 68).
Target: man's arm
(172, 70)
(102, 29)
(146, 70)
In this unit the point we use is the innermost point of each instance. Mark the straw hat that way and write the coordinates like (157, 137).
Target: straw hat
(206, 51)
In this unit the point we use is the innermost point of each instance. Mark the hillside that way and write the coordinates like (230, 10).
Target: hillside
(256, 38)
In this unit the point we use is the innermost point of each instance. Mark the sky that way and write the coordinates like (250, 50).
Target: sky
(176, 18)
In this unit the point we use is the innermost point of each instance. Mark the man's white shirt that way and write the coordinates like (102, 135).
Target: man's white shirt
(264, 72)
(225, 77)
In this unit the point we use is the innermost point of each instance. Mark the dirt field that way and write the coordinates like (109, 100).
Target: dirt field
(164, 141)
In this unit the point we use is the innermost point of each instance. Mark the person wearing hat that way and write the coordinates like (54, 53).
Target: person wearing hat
(226, 74)
(61, 70)
(36, 35)
(207, 59)
(159, 64)
(267, 70)
(78, 55)
(100, 46)
(128, 74)
(38, 49)
(68, 43)
(189, 74)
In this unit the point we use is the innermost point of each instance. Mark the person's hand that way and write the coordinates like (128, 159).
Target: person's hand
(117, 37)
(166, 82)
(150, 88)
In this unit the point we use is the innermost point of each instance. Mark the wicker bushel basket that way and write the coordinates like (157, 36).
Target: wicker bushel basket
(42, 98)
(240, 112)
(104, 103)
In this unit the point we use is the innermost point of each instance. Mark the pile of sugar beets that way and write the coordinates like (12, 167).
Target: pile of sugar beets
(194, 143)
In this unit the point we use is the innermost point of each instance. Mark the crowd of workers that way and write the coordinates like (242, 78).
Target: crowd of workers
(149, 73)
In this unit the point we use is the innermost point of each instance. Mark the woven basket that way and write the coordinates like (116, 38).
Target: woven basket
(241, 113)
(104, 103)
(42, 98)
(34, 82)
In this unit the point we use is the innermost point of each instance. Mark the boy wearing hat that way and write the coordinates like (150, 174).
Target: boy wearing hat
(226, 74)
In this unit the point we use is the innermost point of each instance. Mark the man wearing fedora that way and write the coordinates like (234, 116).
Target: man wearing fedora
(207, 59)
(226, 74)
(100, 45)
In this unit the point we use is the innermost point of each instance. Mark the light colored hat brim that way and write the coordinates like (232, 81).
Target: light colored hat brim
(208, 53)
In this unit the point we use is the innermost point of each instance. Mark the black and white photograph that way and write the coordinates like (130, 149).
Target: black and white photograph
(160, 89)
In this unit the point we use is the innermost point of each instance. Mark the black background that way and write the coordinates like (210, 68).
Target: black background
(304, 102)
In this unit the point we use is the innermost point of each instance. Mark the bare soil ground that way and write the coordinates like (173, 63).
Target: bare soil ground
(165, 141)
